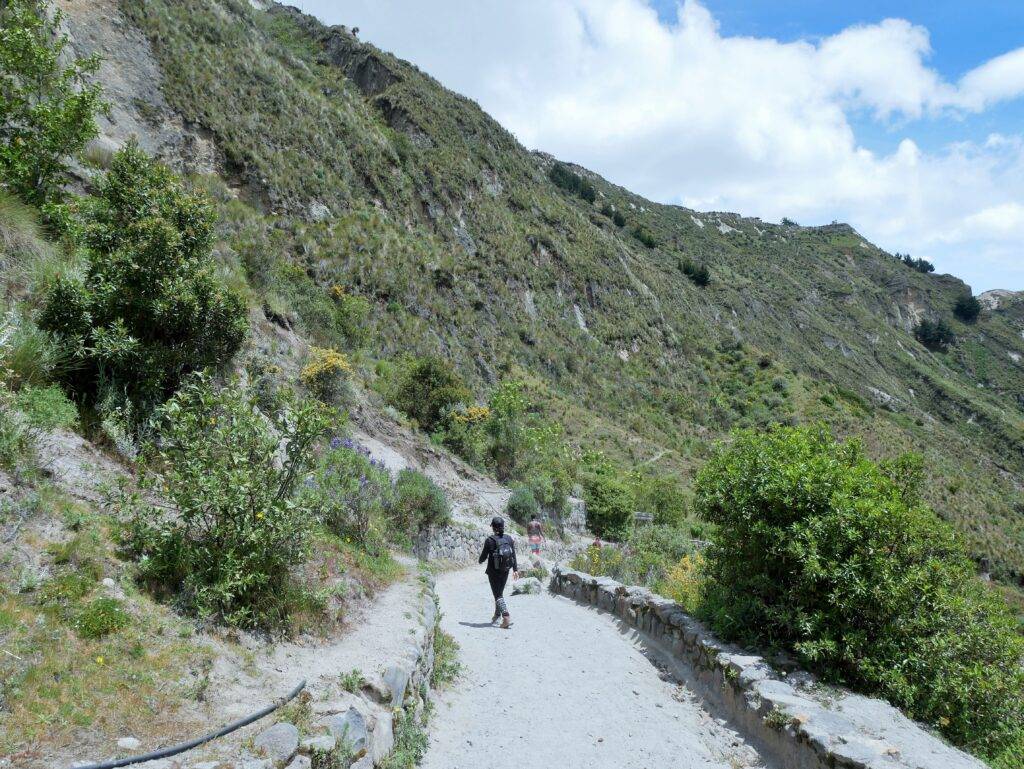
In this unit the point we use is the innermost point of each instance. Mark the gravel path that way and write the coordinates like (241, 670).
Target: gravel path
(563, 689)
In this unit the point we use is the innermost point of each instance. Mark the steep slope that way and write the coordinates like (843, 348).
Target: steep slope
(341, 165)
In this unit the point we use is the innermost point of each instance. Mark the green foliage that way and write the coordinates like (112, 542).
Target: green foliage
(237, 528)
(31, 356)
(919, 264)
(819, 551)
(46, 408)
(326, 375)
(100, 617)
(645, 558)
(426, 389)
(150, 309)
(609, 497)
(446, 660)
(352, 681)
(645, 236)
(420, 502)
(570, 181)
(522, 505)
(47, 104)
(934, 334)
(967, 308)
(662, 496)
(352, 496)
(698, 273)
(394, 237)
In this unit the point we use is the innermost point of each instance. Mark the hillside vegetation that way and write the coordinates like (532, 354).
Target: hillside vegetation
(355, 169)
(552, 329)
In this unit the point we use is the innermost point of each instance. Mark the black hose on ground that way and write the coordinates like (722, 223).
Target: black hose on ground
(174, 750)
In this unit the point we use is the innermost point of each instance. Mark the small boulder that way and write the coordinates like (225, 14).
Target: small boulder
(350, 728)
(300, 762)
(382, 738)
(278, 743)
(323, 744)
(128, 743)
(526, 586)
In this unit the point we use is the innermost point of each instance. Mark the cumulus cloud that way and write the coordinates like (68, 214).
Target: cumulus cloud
(682, 113)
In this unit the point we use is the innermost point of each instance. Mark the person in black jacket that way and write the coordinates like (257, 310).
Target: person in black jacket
(500, 553)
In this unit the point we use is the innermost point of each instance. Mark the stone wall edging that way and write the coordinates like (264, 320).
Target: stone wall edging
(777, 705)
(459, 543)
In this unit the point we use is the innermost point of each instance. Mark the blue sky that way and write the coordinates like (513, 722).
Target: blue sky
(963, 35)
(905, 119)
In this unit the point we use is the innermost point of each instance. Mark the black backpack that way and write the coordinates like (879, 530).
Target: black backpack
(503, 555)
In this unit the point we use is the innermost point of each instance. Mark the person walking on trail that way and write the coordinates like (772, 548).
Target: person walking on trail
(535, 533)
(500, 553)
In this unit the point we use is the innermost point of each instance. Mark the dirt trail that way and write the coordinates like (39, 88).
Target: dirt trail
(563, 688)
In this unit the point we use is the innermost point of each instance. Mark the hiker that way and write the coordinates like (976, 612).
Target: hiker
(500, 553)
(536, 534)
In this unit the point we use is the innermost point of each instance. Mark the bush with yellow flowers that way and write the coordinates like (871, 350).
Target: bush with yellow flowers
(326, 375)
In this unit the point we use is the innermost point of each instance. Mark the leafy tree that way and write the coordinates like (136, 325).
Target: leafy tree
(934, 334)
(420, 503)
(150, 309)
(817, 550)
(427, 389)
(47, 104)
(609, 497)
(231, 474)
(522, 505)
(967, 308)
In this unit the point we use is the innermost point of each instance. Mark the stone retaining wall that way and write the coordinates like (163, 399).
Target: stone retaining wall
(460, 542)
(363, 720)
(787, 714)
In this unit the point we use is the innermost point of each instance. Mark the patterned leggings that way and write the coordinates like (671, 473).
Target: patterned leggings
(498, 580)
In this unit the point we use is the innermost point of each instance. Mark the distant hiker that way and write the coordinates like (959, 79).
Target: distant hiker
(536, 534)
(597, 542)
(500, 553)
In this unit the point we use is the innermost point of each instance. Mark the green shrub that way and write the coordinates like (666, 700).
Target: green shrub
(645, 236)
(609, 497)
(16, 445)
(570, 181)
(819, 551)
(326, 375)
(351, 315)
(231, 474)
(522, 505)
(662, 496)
(46, 408)
(698, 273)
(521, 443)
(967, 308)
(619, 218)
(420, 502)
(32, 356)
(934, 334)
(427, 389)
(47, 104)
(150, 309)
(101, 617)
(352, 496)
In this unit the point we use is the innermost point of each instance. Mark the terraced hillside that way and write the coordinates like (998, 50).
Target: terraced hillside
(340, 168)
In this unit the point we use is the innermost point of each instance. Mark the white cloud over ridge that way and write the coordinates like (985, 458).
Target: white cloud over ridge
(684, 114)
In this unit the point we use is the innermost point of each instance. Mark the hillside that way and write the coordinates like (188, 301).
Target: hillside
(335, 163)
(287, 323)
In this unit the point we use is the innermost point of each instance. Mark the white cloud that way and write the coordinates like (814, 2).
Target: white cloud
(681, 113)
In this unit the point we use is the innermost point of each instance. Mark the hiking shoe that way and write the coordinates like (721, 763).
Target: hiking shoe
(506, 623)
